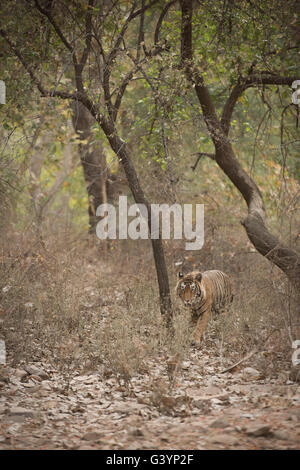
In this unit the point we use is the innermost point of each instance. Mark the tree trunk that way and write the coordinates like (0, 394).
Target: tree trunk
(287, 259)
(41, 199)
(92, 159)
(120, 149)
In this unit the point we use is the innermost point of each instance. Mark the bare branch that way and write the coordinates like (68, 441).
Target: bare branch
(111, 57)
(113, 109)
(235, 94)
(133, 14)
(88, 34)
(186, 34)
(160, 20)
(77, 67)
(199, 156)
(59, 32)
(96, 37)
(121, 92)
(141, 36)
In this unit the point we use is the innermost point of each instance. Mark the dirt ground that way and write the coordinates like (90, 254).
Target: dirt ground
(168, 403)
(211, 412)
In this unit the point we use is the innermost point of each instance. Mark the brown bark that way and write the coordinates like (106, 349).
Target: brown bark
(287, 259)
(92, 159)
(120, 149)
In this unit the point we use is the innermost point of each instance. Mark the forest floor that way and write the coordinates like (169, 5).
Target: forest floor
(164, 404)
(221, 412)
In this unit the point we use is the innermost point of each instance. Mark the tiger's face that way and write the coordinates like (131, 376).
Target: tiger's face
(189, 288)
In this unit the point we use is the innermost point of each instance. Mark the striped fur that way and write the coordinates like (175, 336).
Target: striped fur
(204, 293)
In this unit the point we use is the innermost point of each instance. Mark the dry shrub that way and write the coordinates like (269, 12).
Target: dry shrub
(46, 315)
(262, 317)
(133, 331)
(41, 305)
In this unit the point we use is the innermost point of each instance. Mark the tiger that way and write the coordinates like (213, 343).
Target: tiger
(203, 294)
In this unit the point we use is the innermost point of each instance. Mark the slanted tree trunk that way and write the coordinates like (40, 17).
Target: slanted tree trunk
(287, 259)
(105, 121)
(119, 147)
(93, 161)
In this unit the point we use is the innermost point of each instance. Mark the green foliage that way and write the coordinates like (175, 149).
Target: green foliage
(160, 118)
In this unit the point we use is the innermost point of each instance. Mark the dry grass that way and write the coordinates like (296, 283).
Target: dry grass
(67, 302)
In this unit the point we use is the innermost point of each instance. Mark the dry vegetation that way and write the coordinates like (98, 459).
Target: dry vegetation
(88, 316)
(90, 363)
(84, 307)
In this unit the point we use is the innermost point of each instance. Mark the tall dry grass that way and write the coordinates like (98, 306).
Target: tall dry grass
(69, 302)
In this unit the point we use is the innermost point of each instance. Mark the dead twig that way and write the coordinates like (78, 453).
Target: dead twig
(240, 361)
(248, 356)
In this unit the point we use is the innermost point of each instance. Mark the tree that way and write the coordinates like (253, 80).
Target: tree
(95, 32)
(93, 160)
(286, 258)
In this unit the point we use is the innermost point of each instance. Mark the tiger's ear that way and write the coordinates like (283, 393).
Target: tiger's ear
(180, 275)
(198, 277)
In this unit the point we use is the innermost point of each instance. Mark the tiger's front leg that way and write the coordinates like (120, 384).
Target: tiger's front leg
(201, 326)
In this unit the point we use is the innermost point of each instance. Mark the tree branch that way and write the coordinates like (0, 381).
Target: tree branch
(113, 109)
(141, 35)
(268, 245)
(242, 85)
(59, 32)
(133, 14)
(30, 71)
(78, 67)
(121, 92)
(199, 156)
(88, 34)
(186, 35)
(79, 96)
(160, 20)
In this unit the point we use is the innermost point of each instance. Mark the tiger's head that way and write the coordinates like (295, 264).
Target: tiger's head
(189, 288)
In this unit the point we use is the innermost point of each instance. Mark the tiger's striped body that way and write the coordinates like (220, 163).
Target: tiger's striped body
(204, 293)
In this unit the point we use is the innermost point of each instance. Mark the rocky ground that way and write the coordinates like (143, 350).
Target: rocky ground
(216, 410)
(192, 404)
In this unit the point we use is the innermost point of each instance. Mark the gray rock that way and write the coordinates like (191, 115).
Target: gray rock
(91, 436)
(20, 374)
(219, 423)
(225, 439)
(33, 370)
(251, 374)
(259, 431)
(294, 374)
(282, 435)
(18, 411)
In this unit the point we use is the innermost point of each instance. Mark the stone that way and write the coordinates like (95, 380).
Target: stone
(224, 439)
(251, 374)
(33, 370)
(20, 374)
(259, 431)
(219, 423)
(91, 436)
(18, 411)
